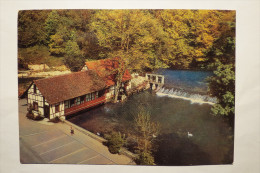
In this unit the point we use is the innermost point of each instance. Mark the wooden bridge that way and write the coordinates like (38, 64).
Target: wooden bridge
(155, 80)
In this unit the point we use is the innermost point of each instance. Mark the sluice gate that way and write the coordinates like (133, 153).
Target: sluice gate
(156, 81)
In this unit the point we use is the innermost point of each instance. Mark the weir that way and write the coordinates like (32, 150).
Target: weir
(194, 98)
(156, 81)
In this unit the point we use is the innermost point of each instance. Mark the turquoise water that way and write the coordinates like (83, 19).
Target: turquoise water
(192, 81)
(211, 143)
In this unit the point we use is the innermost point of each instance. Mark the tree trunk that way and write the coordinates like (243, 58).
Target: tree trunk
(117, 89)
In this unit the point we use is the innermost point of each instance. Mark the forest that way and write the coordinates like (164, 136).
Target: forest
(148, 39)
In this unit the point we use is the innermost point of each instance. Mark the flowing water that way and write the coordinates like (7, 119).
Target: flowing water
(182, 107)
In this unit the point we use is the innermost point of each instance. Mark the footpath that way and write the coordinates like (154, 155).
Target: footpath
(46, 142)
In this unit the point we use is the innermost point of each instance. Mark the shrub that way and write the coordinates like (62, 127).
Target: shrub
(131, 144)
(145, 158)
(115, 142)
(38, 117)
(31, 116)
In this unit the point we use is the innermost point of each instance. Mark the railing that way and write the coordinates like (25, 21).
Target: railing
(85, 105)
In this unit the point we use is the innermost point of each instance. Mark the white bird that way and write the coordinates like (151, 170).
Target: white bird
(98, 134)
(190, 134)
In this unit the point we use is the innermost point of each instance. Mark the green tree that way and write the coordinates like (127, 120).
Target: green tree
(145, 158)
(115, 142)
(222, 86)
(31, 27)
(52, 23)
(221, 58)
(73, 58)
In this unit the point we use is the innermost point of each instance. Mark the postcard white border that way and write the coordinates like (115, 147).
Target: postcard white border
(247, 140)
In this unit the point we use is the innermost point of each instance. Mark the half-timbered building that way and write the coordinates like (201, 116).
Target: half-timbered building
(67, 94)
(64, 95)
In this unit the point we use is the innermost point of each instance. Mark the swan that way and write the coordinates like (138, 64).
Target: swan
(190, 134)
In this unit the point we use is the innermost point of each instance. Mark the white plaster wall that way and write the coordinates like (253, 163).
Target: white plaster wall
(37, 97)
(54, 114)
(84, 68)
(111, 92)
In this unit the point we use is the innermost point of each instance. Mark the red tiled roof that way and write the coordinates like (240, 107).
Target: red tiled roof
(105, 68)
(64, 87)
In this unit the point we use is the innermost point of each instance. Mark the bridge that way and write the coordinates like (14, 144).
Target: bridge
(155, 80)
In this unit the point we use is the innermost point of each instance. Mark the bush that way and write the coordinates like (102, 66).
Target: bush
(31, 116)
(115, 142)
(38, 117)
(145, 158)
(132, 144)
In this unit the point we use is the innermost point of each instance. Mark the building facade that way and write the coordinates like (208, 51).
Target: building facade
(64, 95)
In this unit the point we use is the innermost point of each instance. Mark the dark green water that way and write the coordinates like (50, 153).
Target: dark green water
(211, 143)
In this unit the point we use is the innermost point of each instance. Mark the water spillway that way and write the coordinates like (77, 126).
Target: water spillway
(194, 98)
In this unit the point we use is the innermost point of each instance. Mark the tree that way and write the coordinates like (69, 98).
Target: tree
(145, 158)
(130, 35)
(190, 33)
(146, 129)
(221, 58)
(31, 27)
(115, 142)
(56, 46)
(222, 86)
(73, 57)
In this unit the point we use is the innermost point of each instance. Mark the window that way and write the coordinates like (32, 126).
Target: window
(88, 97)
(159, 79)
(154, 78)
(78, 100)
(57, 108)
(66, 104)
(34, 89)
(35, 106)
(92, 96)
(82, 99)
(101, 93)
(72, 102)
